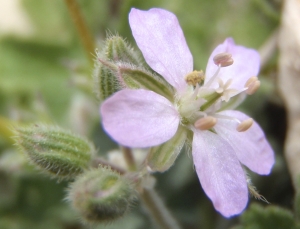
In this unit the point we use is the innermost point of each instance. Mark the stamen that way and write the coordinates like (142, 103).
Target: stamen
(212, 79)
(194, 78)
(205, 123)
(223, 59)
(250, 81)
(245, 125)
(252, 85)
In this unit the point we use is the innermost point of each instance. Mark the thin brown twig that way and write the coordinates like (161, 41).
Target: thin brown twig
(84, 33)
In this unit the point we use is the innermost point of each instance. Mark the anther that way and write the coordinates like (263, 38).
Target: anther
(223, 59)
(252, 85)
(245, 125)
(195, 77)
(205, 123)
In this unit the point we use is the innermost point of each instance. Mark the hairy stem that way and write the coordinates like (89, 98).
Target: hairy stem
(82, 29)
(127, 153)
(153, 203)
(157, 210)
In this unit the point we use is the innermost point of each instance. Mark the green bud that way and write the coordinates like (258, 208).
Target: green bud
(106, 76)
(117, 49)
(118, 67)
(54, 150)
(101, 195)
(162, 157)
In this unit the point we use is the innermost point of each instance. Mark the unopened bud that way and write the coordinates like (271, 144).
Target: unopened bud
(205, 123)
(245, 125)
(118, 66)
(223, 59)
(54, 150)
(194, 78)
(101, 195)
(252, 85)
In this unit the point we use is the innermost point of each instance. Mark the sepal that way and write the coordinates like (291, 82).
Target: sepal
(162, 157)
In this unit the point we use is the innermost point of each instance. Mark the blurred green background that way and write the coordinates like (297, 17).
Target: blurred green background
(46, 76)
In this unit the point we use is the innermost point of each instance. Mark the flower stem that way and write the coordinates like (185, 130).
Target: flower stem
(127, 153)
(154, 204)
(82, 29)
(157, 210)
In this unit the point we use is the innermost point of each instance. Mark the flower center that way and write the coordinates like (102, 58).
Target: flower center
(200, 103)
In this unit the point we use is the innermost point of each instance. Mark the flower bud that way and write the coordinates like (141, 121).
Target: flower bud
(54, 150)
(106, 77)
(118, 67)
(101, 195)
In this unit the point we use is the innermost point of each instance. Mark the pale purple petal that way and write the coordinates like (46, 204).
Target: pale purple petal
(160, 38)
(251, 146)
(139, 118)
(246, 64)
(220, 173)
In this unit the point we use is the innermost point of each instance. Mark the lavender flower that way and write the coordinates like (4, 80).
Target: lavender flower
(222, 139)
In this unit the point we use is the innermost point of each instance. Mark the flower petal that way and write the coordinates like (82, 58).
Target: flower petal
(246, 64)
(160, 38)
(251, 146)
(139, 118)
(220, 173)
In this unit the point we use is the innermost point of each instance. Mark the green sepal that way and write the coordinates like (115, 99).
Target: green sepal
(101, 195)
(106, 82)
(210, 99)
(162, 157)
(55, 151)
(137, 77)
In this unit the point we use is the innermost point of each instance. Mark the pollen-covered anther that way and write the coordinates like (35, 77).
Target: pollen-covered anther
(205, 123)
(245, 125)
(223, 59)
(252, 85)
(195, 77)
